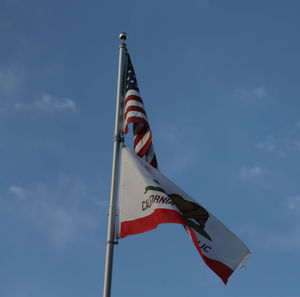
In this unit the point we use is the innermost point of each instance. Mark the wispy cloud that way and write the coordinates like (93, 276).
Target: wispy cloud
(49, 103)
(294, 204)
(267, 144)
(8, 80)
(289, 238)
(285, 241)
(100, 203)
(259, 92)
(17, 192)
(63, 211)
(250, 94)
(258, 236)
(250, 172)
(280, 146)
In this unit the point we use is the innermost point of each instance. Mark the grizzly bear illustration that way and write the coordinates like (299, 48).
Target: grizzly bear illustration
(190, 210)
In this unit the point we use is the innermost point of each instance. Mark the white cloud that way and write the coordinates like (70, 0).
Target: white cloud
(257, 236)
(100, 203)
(18, 106)
(290, 239)
(259, 92)
(294, 204)
(62, 211)
(64, 224)
(17, 191)
(49, 103)
(280, 146)
(267, 145)
(248, 173)
(285, 241)
(250, 94)
(8, 80)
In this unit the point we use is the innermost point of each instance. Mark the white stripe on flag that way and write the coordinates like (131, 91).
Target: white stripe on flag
(142, 142)
(136, 114)
(134, 103)
(132, 92)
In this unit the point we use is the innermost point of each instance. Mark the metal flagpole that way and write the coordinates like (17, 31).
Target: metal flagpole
(115, 171)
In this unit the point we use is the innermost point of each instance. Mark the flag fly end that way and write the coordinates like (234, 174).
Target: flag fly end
(244, 260)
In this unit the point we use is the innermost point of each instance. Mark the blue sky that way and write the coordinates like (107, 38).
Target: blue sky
(220, 84)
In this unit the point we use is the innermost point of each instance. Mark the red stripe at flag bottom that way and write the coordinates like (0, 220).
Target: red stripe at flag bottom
(160, 216)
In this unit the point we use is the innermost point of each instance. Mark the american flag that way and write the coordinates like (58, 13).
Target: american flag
(135, 113)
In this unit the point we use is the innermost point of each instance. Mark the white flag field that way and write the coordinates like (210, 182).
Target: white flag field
(147, 198)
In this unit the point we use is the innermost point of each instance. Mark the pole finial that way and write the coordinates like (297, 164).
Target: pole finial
(123, 36)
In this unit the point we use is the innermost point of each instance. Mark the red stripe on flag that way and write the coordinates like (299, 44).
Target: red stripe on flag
(134, 102)
(150, 222)
(154, 162)
(133, 97)
(135, 120)
(222, 270)
(144, 149)
(135, 108)
(139, 132)
(160, 216)
(140, 129)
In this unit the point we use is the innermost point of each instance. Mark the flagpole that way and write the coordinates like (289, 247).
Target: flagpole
(115, 171)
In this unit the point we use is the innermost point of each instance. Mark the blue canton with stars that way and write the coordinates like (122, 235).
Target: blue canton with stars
(131, 82)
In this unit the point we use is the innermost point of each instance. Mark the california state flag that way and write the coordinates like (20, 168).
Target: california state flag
(147, 199)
